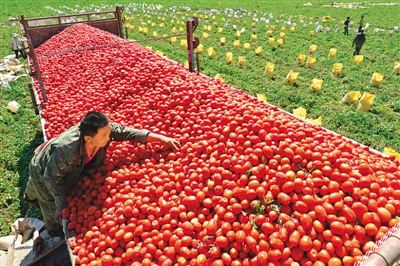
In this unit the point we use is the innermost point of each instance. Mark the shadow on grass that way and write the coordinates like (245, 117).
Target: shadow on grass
(23, 171)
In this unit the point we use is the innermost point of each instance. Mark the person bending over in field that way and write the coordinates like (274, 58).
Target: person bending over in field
(358, 41)
(57, 163)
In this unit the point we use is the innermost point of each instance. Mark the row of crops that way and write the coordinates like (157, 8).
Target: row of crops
(251, 185)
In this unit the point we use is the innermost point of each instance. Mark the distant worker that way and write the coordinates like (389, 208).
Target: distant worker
(361, 23)
(358, 41)
(346, 26)
(16, 45)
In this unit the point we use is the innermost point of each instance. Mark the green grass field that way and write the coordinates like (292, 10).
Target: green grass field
(378, 128)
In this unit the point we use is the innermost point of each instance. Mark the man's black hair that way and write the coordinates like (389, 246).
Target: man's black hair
(91, 123)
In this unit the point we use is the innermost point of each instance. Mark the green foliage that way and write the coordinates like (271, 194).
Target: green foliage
(20, 133)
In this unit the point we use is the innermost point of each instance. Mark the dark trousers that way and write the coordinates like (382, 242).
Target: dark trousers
(357, 50)
(16, 53)
(346, 30)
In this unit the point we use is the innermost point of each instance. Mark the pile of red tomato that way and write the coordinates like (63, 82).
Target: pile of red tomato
(251, 185)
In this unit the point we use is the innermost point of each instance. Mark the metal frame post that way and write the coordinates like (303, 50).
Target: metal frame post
(192, 43)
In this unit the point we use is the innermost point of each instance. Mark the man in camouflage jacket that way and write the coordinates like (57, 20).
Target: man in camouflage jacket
(57, 164)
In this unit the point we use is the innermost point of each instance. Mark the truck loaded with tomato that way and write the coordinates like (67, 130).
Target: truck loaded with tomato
(58, 163)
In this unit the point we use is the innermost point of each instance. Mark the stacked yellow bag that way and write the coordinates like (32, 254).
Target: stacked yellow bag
(311, 62)
(209, 28)
(211, 53)
(376, 79)
(238, 34)
(155, 34)
(316, 84)
(337, 69)
(184, 43)
(283, 29)
(312, 49)
(300, 59)
(223, 41)
(273, 27)
(242, 61)
(292, 29)
(199, 49)
(312, 33)
(145, 31)
(181, 30)
(291, 77)
(269, 33)
(396, 69)
(236, 44)
(332, 53)
(358, 59)
(365, 102)
(300, 112)
(174, 30)
(219, 77)
(259, 50)
(391, 152)
(351, 97)
(253, 37)
(205, 35)
(282, 35)
(271, 41)
(279, 42)
(220, 30)
(229, 58)
(173, 39)
(269, 69)
(246, 46)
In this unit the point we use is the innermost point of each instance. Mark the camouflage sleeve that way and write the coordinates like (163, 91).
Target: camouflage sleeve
(119, 133)
(56, 169)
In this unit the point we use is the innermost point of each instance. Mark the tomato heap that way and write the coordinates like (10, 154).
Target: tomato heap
(251, 185)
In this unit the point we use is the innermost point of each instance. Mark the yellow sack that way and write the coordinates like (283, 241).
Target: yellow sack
(317, 121)
(300, 112)
(292, 29)
(246, 46)
(312, 48)
(262, 97)
(300, 59)
(223, 19)
(273, 27)
(186, 64)
(253, 37)
(184, 43)
(269, 69)
(245, 22)
(154, 24)
(219, 77)
(390, 152)
(223, 41)
(291, 77)
(155, 34)
(396, 69)
(271, 41)
(311, 62)
(259, 50)
(365, 102)
(205, 27)
(173, 30)
(312, 33)
(159, 52)
(238, 34)
(172, 21)
(283, 29)
(269, 33)
(163, 19)
(337, 68)
(209, 28)
(199, 49)
(282, 35)
(173, 39)
(165, 37)
(236, 44)
(332, 53)
(242, 61)
(215, 24)
(140, 29)
(150, 48)
(266, 27)
(351, 97)
(211, 53)
(279, 42)
(220, 30)
(229, 57)
(311, 18)
(316, 84)
(253, 24)
(162, 25)
(181, 29)
(376, 79)
(358, 59)
(205, 35)
(213, 17)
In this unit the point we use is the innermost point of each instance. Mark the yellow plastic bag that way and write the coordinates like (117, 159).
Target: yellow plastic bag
(159, 52)
(154, 24)
(140, 29)
(184, 43)
(220, 30)
(279, 42)
(358, 59)
(282, 35)
(376, 79)
(259, 50)
(205, 27)
(271, 41)
(165, 37)
(211, 53)
(242, 61)
(312, 33)
(269, 69)
(173, 39)
(337, 68)
(332, 53)
(219, 77)
(150, 48)
(292, 29)
(365, 102)
(262, 97)
(273, 27)
(311, 62)
(215, 24)
(205, 35)
(155, 34)
(186, 64)
(291, 77)
(253, 37)
(223, 19)
(300, 112)
(209, 28)
(312, 49)
(390, 152)
(162, 25)
(283, 29)
(317, 121)
(316, 84)
(229, 58)
(266, 27)
(238, 34)
(253, 24)
(351, 97)
(223, 41)
(246, 46)
(396, 69)
(181, 29)
(236, 44)
(174, 30)
(199, 49)
(300, 59)
(269, 33)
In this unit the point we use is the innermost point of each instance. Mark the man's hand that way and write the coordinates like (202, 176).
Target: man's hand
(171, 143)
(58, 216)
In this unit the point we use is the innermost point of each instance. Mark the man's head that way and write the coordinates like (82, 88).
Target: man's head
(95, 128)
(348, 17)
(15, 35)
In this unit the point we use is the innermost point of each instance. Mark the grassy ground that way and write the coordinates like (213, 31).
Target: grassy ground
(20, 133)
